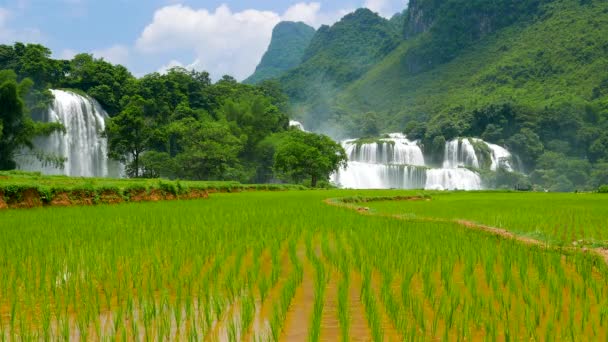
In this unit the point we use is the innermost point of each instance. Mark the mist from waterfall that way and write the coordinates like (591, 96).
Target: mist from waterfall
(82, 144)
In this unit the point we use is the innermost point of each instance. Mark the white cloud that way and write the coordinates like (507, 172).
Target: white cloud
(175, 63)
(66, 54)
(10, 35)
(117, 54)
(223, 41)
(386, 8)
(306, 12)
(4, 13)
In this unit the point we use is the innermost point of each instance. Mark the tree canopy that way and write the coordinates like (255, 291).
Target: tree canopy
(17, 129)
(303, 155)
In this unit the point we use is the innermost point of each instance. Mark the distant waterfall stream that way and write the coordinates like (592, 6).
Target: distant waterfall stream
(82, 144)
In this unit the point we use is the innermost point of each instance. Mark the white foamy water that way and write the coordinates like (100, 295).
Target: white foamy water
(297, 124)
(82, 144)
(452, 179)
(397, 162)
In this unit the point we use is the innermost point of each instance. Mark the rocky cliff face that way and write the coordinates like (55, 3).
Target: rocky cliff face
(421, 16)
(456, 24)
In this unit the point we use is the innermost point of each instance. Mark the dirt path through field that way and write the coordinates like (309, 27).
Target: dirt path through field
(330, 324)
(359, 329)
(300, 311)
(602, 252)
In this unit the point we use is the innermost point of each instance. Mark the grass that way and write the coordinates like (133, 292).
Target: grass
(231, 265)
(560, 219)
(16, 185)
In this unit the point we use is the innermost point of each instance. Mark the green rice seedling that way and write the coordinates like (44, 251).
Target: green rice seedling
(343, 313)
(320, 284)
(192, 261)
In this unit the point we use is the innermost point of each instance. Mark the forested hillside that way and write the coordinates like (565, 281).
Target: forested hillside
(287, 46)
(337, 56)
(178, 124)
(531, 75)
(538, 86)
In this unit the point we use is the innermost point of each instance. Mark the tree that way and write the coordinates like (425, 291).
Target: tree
(128, 136)
(301, 154)
(210, 151)
(17, 129)
(527, 144)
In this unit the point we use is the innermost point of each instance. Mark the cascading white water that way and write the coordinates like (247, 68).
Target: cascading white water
(396, 162)
(391, 162)
(452, 179)
(378, 176)
(500, 158)
(459, 153)
(395, 150)
(296, 124)
(82, 144)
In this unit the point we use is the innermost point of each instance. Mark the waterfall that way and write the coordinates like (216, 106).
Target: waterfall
(396, 150)
(297, 124)
(393, 161)
(459, 153)
(500, 157)
(82, 144)
(377, 176)
(389, 162)
(452, 179)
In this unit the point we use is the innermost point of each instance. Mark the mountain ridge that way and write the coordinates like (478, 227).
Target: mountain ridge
(287, 46)
(531, 75)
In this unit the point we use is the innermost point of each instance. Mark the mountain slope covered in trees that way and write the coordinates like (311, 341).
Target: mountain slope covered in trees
(531, 75)
(538, 86)
(337, 56)
(287, 46)
(178, 124)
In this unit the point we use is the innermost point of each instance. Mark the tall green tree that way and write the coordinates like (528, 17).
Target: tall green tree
(210, 151)
(17, 129)
(301, 155)
(128, 136)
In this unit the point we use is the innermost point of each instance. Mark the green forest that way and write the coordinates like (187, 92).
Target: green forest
(174, 125)
(529, 75)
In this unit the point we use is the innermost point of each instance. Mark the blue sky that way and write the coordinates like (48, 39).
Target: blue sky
(222, 37)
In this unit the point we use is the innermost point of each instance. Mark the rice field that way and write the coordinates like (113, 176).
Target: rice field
(286, 266)
(558, 219)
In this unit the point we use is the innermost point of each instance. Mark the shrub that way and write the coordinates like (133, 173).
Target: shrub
(603, 189)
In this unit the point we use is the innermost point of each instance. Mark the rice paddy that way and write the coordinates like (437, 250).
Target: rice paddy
(286, 266)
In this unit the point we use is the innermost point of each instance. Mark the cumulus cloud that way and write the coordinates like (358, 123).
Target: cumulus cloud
(10, 35)
(386, 8)
(175, 63)
(223, 41)
(306, 12)
(65, 54)
(117, 54)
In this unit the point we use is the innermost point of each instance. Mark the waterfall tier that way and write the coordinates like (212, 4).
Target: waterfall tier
(82, 145)
(476, 153)
(452, 179)
(395, 150)
(296, 124)
(381, 176)
(396, 162)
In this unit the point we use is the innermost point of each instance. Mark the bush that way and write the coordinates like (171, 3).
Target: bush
(603, 189)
